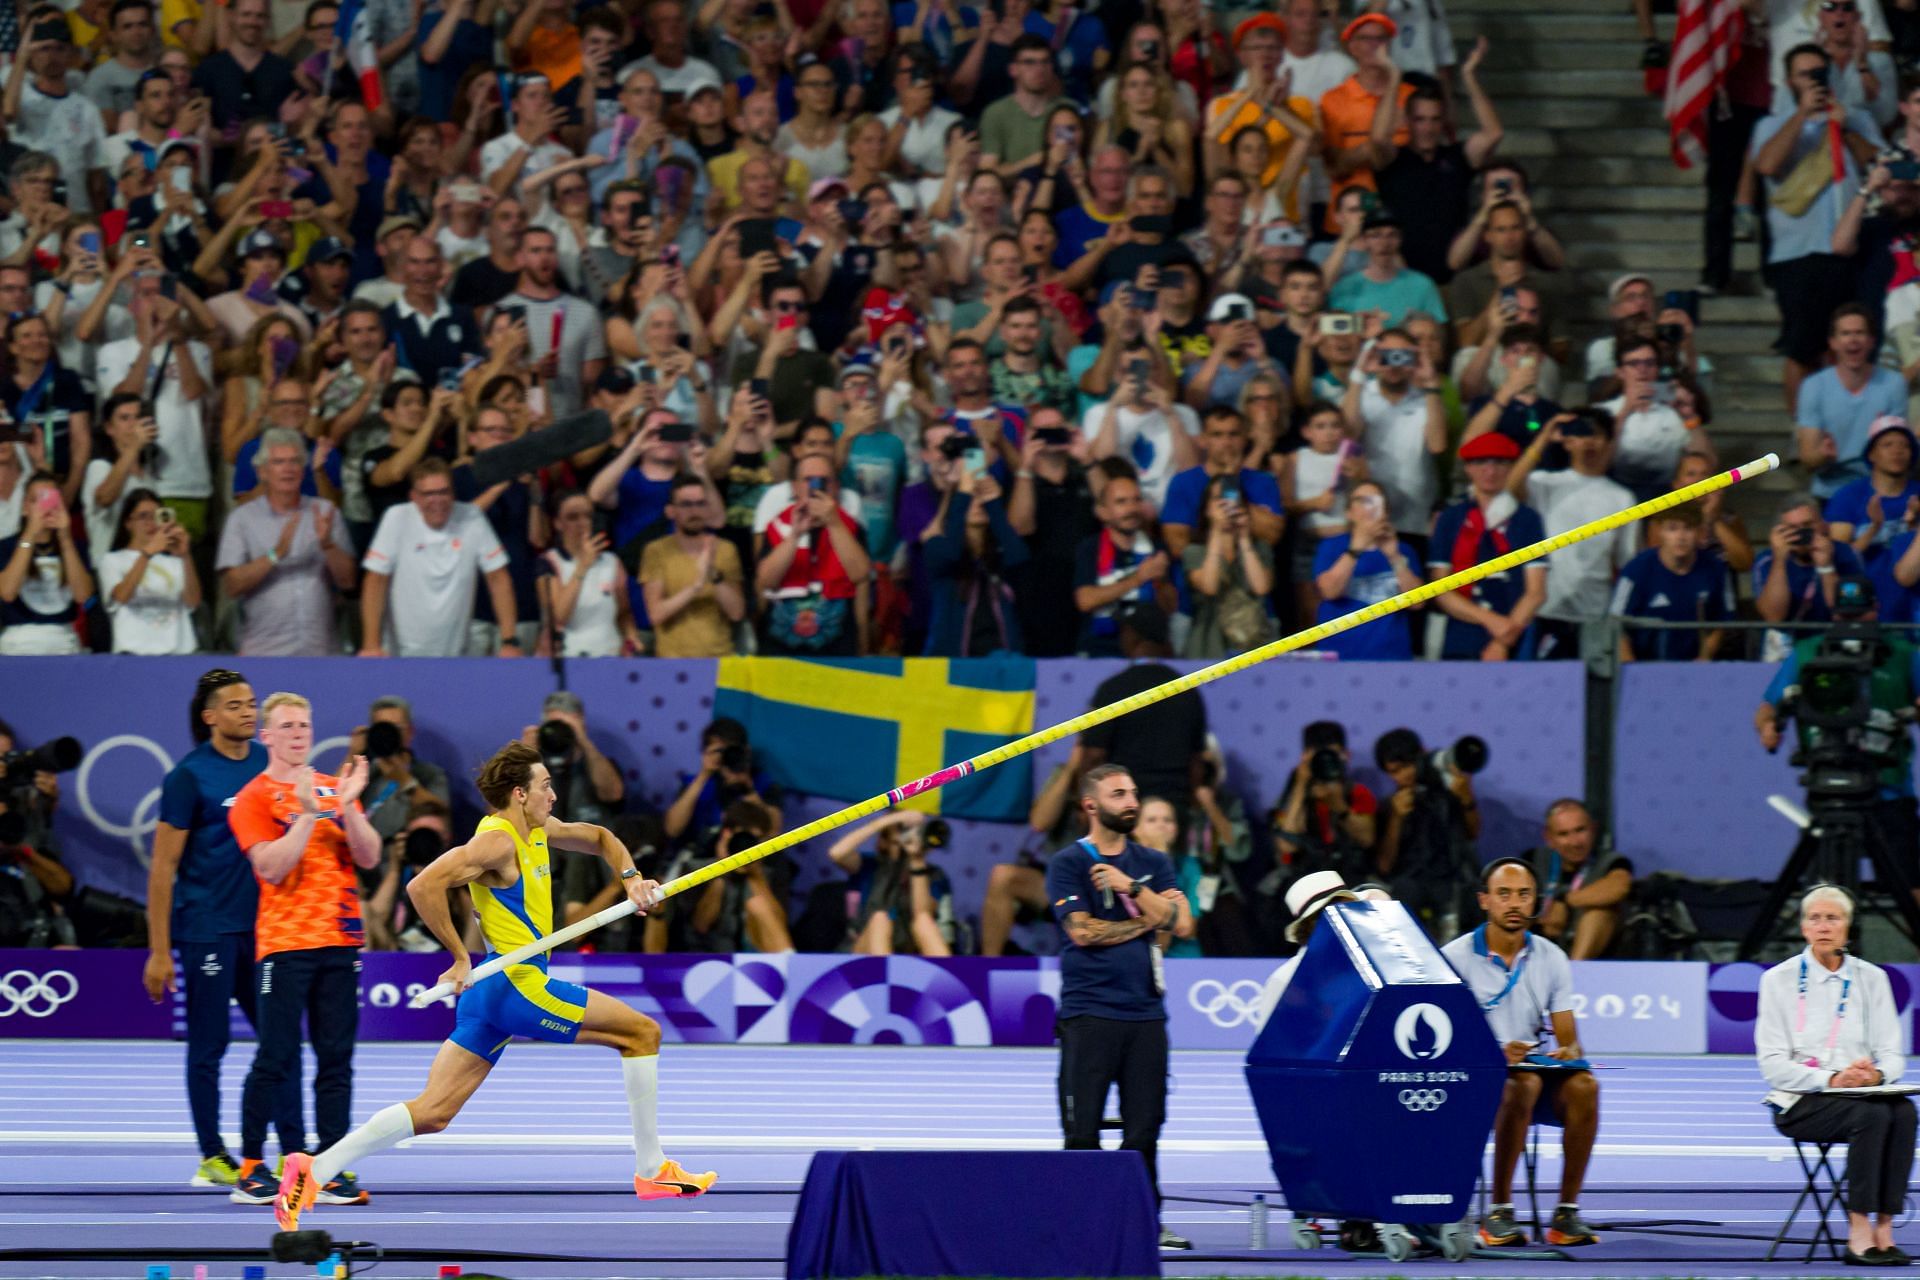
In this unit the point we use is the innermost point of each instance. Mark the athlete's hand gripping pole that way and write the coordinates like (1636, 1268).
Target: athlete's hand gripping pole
(1100, 715)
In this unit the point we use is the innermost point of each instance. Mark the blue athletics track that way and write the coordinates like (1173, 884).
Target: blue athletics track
(533, 1180)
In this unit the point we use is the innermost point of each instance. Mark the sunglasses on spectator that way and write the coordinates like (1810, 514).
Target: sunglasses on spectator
(789, 308)
(1641, 362)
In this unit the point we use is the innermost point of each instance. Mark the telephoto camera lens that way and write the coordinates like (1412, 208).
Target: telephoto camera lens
(1325, 765)
(555, 743)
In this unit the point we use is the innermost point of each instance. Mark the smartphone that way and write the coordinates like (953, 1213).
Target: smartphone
(1821, 76)
(181, 179)
(1063, 134)
(1230, 492)
(1030, 274)
(1239, 311)
(1139, 369)
(1144, 299)
(285, 352)
(1671, 335)
(1509, 297)
(648, 374)
(670, 256)
(757, 236)
(760, 389)
(169, 287)
(1278, 236)
(1688, 300)
(49, 501)
(90, 242)
(815, 484)
(141, 240)
(676, 433)
(163, 517)
(516, 313)
(449, 379)
(1904, 170)
(262, 291)
(54, 29)
(1372, 504)
(1053, 437)
(1336, 324)
(853, 212)
(973, 463)
(271, 208)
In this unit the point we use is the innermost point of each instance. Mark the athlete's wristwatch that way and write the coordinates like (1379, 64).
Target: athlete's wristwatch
(630, 873)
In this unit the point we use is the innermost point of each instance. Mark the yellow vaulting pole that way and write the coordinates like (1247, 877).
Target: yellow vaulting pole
(1113, 711)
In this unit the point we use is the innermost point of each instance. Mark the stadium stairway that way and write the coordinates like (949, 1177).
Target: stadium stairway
(1565, 76)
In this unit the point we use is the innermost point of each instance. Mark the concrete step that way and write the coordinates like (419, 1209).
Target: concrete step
(1614, 171)
(1627, 230)
(1587, 304)
(1458, 9)
(1661, 256)
(1602, 199)
(1595, 113)
(1610, 53)
(1505, 28)
(1571, 143)
(1590, 82)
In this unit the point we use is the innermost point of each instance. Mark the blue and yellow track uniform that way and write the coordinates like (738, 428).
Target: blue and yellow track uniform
(521, 1000)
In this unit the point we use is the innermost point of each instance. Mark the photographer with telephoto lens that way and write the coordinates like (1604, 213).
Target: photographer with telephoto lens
(898, 903)
(727, 773)
(1325, 820)
(33, 884)
(587, 786)
(1426, 853)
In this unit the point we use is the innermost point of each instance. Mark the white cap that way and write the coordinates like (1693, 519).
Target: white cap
(1222, 305)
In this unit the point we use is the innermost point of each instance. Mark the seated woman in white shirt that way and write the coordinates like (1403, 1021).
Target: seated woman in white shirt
(148, 581)
(1827, 1021)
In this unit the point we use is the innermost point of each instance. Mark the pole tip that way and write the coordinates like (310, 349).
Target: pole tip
(1773, 462)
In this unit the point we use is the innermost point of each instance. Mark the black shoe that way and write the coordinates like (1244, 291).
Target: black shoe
(1871, 1258)
(1892, 1256)
(1654, 56)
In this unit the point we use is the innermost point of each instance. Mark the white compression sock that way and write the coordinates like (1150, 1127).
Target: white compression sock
(387, 1128)
(643, 1091)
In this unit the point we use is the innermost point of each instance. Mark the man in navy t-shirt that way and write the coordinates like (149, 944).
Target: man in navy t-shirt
(1114, 899)
(202, 897)
(1674, 580)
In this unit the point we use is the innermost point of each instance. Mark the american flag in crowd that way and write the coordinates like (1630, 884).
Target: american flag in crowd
(1706, 40)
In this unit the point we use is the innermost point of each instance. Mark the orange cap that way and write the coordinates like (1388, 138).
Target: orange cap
(1258, 22)
(1393, 28)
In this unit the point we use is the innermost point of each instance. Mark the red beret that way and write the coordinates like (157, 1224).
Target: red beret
(1393, 28)
(1490, 445)
(1258, 22)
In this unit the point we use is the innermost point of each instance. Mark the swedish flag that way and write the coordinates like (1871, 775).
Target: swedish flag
(851, 728)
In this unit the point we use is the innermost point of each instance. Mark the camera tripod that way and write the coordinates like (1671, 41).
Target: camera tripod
(1840, 833)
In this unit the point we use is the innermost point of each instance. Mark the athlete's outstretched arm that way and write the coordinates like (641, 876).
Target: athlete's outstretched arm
(488, 851)
(585, 837)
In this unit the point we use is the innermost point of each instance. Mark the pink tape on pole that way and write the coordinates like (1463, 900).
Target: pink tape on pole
(930, 782)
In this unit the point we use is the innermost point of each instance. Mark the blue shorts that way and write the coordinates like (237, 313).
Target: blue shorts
(522, 1001)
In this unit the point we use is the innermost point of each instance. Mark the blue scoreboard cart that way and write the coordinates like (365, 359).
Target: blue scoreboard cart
(1376, 1081)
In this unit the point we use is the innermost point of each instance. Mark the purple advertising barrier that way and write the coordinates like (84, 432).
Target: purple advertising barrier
(1645, 1007)
(1532, 715)
(1733, 992)
(131, 715)
(1690, 779)
(81, 995)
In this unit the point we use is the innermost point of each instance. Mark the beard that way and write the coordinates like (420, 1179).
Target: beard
(1121, 822)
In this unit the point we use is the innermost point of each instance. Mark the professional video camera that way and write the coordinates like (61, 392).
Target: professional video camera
(1846, 740)
(1851, 704)
(24, 810)
(556, 743)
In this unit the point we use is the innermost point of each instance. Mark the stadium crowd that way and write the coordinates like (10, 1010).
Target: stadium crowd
(922, 330)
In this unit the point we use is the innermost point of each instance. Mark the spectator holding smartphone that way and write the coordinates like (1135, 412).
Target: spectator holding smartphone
(42, 577)
(813, 569)
(1365, 566)
(1394, 408)
(1119, 567)
(148, 581)
(1142, 422)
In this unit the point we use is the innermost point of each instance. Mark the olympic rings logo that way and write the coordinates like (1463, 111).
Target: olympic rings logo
(1423, 1099)
(37, 996)
(145, 812)
(1226, 1006)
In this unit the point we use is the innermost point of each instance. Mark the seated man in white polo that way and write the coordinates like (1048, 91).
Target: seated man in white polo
(1523, 983)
